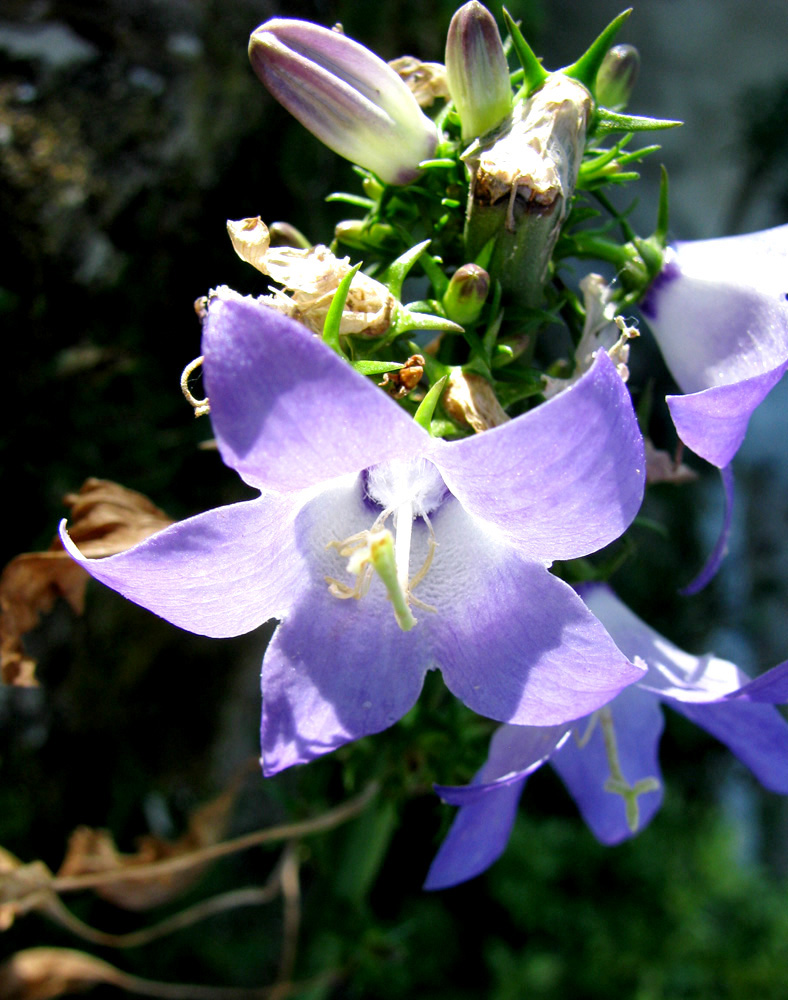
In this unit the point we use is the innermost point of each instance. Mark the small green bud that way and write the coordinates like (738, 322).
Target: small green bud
(466, 294)
(476, 70)
(617, 76)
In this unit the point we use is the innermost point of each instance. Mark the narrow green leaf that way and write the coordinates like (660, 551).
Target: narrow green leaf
(334, 314)
(587, 66)
(376, 367)
(611, 121)
(397, 271)
(534, 72)
(423, 416)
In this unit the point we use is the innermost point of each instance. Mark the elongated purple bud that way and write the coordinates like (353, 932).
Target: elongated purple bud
(345, 95)
(476, 70)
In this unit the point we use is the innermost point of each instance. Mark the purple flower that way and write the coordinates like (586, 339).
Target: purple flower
(609, 761)
(719, 312)
(364, 520)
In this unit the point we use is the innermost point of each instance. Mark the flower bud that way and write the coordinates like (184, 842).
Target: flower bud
(617, 76)
(345, 95)
(476, 69)
(466, 294)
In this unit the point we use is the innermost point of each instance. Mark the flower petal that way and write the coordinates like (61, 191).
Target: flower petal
(719, 312)
(562, 480)
(336, 669)
(713, 422)
(637, 727)
(756, 734)
(720, 549)
(287, 411)
(478, 836)
(514, 642)
(221, 573)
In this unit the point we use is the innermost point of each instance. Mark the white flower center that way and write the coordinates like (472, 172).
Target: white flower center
(404, 490)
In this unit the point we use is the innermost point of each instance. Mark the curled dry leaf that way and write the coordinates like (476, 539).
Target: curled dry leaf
(93, 851)
(43, 973)
(105, 518)
(22, 888)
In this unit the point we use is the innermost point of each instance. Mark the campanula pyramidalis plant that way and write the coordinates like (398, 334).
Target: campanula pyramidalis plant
(437, 404)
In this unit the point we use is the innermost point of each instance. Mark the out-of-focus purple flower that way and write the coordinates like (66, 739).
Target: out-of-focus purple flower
(719, 312)
(345, 95)
(609, 761)
(474, 525)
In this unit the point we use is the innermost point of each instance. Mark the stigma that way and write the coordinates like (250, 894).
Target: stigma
(403, 490)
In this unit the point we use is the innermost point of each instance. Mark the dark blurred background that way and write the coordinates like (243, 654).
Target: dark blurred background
(129, 132)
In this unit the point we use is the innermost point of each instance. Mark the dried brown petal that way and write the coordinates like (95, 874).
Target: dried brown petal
(469, 399)
(45, 973)
(105, 518)
(662, 467)
(404, 380)
(425, 80)
(91, 851)
(22, 888)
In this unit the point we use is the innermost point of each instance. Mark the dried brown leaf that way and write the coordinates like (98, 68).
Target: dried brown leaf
(22, 888)
(92, 851)
(105, 518)
(44, 973)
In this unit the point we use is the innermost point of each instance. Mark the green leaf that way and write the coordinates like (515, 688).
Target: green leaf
(423, 416)
(397, 271)
(534, 72)
(376, 367)
(611, 121)
(334, 314)
(587, 66)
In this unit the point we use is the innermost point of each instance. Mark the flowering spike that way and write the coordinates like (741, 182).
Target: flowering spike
(535, 73)
(345, 95)
(587, 67)
(476, 70)
(617, 76)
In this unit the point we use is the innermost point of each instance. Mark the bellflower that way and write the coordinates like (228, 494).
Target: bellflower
(609, 761)
(386, 552)
(345, 95)
(719, 313)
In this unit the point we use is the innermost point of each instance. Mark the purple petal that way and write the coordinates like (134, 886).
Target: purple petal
(514, 642)
(713, 422)
(336, 669)
(719, 312)
(756, 734)
(221, 573)
(481, 829)
(478, 836)
(637, 727)
(720, 550)
(562, 480)
(287, 411)
(771, 687)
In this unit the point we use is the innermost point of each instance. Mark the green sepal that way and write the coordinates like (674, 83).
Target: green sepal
(423, 416)
(534, 72)
(587, 66)
(376, 367)
(606, 121)
(397, 271)
(334, 314)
